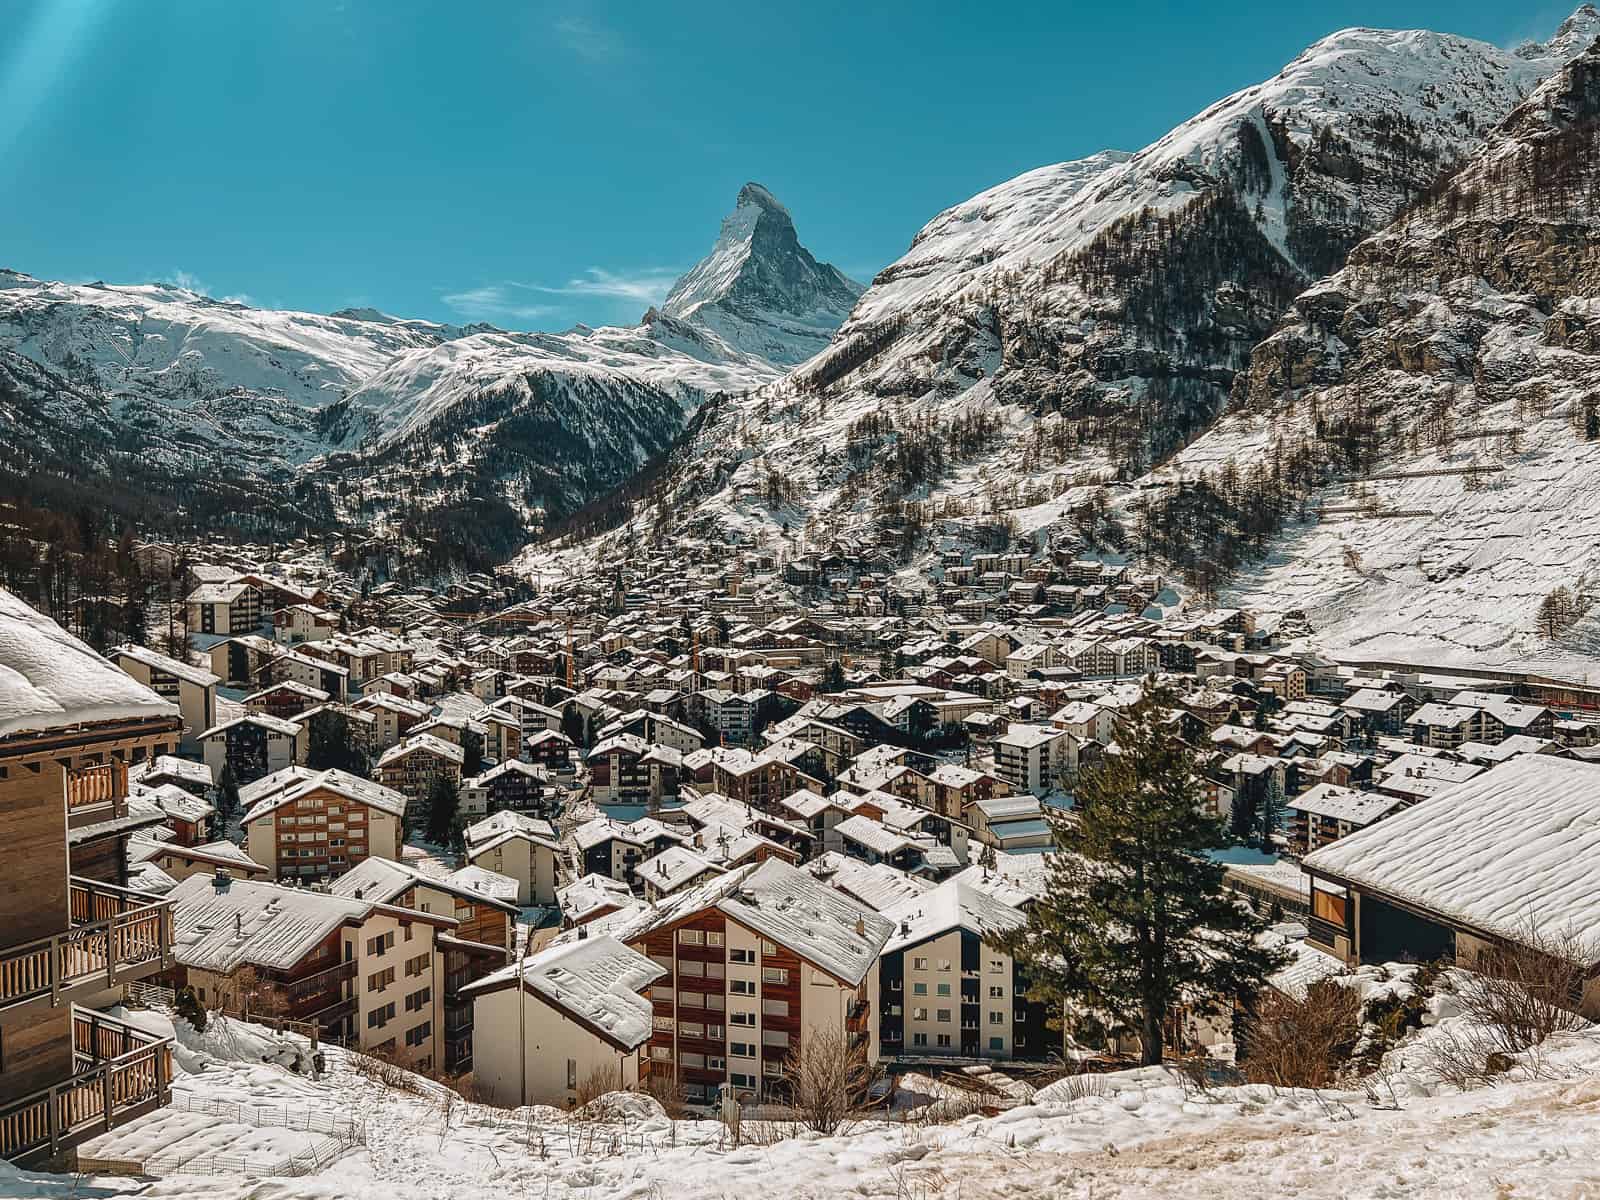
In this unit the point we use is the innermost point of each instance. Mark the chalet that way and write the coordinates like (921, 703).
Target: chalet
(758, 962)
(178, 862)
(1326, 812)
(591, 898)
(182, 812)
(519, 847)
(69, 725)
(1497, 860)
(285, 700)
(305, 824)
(411, 767)
(513, 785)
(546, 1028)
(396, 716)
(944, 991)
(225, 609)
(301, 622)
(369, 973)
(617, 772)
(551, 749)
(193, 689)
(253, 746)
(613, 849)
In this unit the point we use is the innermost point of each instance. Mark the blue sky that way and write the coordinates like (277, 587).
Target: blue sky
(535, 164)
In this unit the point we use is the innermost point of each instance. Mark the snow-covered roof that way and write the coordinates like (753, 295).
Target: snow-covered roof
(426, 742)
(265, 924)
(171, 767)
(157, 661)
(51, 680)
(952, 905)
(673, 867)
(591, 894)
(1344, 804)
(498, 825)
(1515, 846)
(595, 980)
(290, 783)
(877, 885)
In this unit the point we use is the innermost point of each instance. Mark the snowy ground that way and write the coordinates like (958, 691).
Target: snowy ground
(1137, 1134)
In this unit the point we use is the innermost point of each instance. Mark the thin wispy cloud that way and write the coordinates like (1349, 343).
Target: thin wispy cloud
(647, 286)
(589, 40)
(496, 302)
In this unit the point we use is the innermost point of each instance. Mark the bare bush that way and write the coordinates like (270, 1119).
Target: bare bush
(1078, 1087)
(667, 1092)
(1467, 1059)
(1302, 1042)
(597, 1083)
(1527, 991)
(829, 1081)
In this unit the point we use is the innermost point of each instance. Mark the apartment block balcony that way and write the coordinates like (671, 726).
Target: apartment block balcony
(119, 1072)
(97, 793)
(116, 936)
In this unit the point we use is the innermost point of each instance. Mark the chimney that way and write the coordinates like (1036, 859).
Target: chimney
(221, 879)
(861, 927)
(905, 928)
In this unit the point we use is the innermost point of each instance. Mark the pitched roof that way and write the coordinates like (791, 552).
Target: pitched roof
(952, 905)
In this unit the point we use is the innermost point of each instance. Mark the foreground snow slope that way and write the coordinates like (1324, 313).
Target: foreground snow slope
(1462, 343)
(1138, 1135)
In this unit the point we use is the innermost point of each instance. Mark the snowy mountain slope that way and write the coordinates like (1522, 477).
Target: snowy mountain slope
(1447, 379)
(759, 289)
(1083, 321)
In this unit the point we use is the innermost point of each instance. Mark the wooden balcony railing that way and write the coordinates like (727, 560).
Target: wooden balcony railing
(102, 786)
(101, 1094)
(117, 935)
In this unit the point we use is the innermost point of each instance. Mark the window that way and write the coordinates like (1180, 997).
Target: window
(944, 1039)
(715, 1001)
(997, 1043)
(944, 1015)
(408, 930)
(420, 1034)
(919, 989)
(919, 1014)
(695, 970)
(741, 956)
(997, 1018)
(660, 1053)
(944, 989)
(714, 937)
(742, 1049)
(572, 1074)
(417, 965)
(742, 987)
(714, 1032)
(767, 948)
(379, 980)
(379, 1017)
(919, 1039)
(919, 964)
(418, 1000)
(691, 1029)
(997, 993)
(944, 964)
(691, 937)
(662, 1024)
(741, 1018)
(381, 943)
(662, 994)
(715, 1063)
(714, 970)
(772, 1068)
(778, 975)
(692, 1060)
(744, 1081)
(775, 1008)
(997, 966)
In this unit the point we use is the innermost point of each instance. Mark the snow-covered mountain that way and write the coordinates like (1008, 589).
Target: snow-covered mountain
(760, 289)
(1445, 383)
(1082, 322)
(530, 422)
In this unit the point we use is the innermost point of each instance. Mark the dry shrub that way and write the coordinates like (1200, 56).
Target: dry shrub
(381, 1069)
(1526, 992)
(597, 1083)
(1302, 1043)
(667, 1092)
(829, 1081)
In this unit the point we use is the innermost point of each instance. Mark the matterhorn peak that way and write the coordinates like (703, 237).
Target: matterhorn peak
(760, 289)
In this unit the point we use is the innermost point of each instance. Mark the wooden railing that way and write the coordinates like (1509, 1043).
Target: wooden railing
(98, 1097)
(103, 783)
(103, 950)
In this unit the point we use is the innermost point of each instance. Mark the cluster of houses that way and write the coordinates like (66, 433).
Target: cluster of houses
(700, 829)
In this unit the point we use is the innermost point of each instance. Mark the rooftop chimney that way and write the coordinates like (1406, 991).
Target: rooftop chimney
(221, 879)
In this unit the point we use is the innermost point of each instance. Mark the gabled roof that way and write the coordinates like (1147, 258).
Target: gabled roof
(157, 661)
(426, 743)
(1513, 847)
(272, 791)
(951, 905)
(596, 981)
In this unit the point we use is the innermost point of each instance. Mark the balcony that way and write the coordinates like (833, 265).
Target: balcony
(308, 987)
(117, 936)
(119, 1072)
(97, 793)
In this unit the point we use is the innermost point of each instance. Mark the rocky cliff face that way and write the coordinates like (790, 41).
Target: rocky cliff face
(1441, 389)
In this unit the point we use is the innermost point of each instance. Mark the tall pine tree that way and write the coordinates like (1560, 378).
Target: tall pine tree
(1135, 919)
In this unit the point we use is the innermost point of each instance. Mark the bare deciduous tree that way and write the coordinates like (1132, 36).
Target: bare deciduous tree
(829, 1081)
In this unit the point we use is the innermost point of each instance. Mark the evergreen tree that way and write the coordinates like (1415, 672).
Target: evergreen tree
(1135, 919)
(1271, 812)
(332, 746)
(472, 754)
(832, 677)
(444, 799)
(227, 806)
(572, 725)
